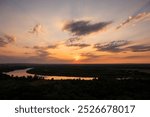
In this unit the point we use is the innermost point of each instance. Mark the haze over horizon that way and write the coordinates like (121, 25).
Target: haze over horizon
(75, 31)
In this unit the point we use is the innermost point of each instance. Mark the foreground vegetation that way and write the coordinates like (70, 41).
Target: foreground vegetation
(33, 88)
(104, 88)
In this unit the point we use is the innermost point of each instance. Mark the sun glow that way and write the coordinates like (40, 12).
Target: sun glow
(77, 58)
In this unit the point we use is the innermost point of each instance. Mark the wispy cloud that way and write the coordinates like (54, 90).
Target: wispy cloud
(37, 29)
(135, 19)
(139, 15)
(82, 27)
(135, 57)
(79, 45)
(31, 59)
(2, 42)
(114, 46)
(46, 47)
(139, 48)
(89, 55)
(145, 7)
(6, 39)
(122, 46)
(72, 40)
(42, 53)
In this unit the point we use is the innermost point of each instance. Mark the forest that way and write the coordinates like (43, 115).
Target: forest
(114, 82)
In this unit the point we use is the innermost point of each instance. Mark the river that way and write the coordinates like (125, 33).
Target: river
(23, 72)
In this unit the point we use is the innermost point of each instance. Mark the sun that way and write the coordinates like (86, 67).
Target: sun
(77, 58)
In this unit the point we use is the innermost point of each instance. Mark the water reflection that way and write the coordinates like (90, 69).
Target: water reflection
(19, 73)
(23, 72)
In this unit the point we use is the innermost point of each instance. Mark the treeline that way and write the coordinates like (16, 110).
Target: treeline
(86, 71)
(121, 71)
(34, 77)
(11, 67)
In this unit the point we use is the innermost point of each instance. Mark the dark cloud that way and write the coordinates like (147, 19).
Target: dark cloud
(78, 45)
(45, 47)
(45, 57)
(139, 48)
(37, 47)
(114, 46)
(72, 40)
(122, 46)
(27, 47)
(89, 57)
(27, 53)
(52, 46)
(80, 28)
(10, 38)
(37, 29)
(6, 39)
(2, 42)
(42, 53)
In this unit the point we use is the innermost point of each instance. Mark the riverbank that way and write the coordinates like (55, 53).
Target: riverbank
(23, 73)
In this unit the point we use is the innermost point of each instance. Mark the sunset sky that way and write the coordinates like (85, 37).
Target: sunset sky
(74, 31)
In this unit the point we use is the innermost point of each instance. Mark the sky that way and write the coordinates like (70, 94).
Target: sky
(75, 31)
